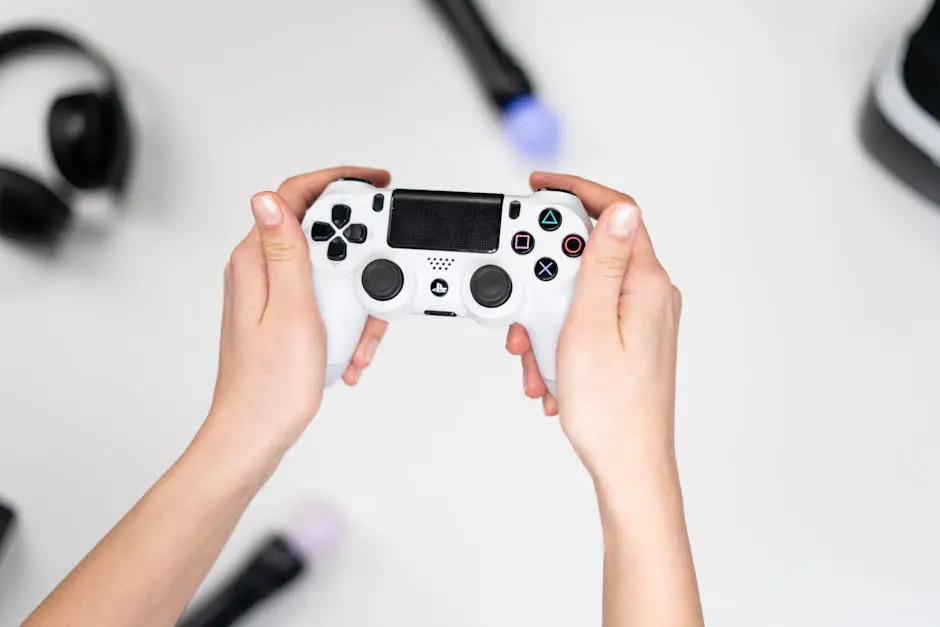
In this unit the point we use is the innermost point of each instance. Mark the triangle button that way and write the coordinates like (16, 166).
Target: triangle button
(550, 219)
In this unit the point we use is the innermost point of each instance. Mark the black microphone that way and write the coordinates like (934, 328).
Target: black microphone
(279, 561)
(531, 126)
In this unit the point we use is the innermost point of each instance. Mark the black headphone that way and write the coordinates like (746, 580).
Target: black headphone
(90, 140)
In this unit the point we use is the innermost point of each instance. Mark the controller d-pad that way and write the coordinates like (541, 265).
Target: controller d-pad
(356, 233)
(321, 231)
(336, 251)
(546, 269)
(341, 215)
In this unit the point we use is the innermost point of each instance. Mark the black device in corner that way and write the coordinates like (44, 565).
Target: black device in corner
(900, 118)
(7, 520)
(922, 64)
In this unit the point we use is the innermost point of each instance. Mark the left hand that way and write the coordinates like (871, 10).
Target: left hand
(273, 342)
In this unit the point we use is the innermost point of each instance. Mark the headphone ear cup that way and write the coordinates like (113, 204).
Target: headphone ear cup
(29, 211)
(82, 134)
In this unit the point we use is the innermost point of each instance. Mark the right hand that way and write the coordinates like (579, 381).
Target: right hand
(616, 361)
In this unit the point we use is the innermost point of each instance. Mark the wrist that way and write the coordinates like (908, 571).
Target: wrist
(641, 478)
(223, 457)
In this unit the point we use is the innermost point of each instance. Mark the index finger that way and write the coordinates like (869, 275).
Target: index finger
(596, 198)
(300, 191)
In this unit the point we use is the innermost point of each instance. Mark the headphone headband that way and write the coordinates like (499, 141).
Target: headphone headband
(15, 42)
(29, 38)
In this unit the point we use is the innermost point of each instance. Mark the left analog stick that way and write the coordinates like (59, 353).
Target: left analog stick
(382, 279)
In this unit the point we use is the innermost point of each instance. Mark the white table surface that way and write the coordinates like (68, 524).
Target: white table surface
(810, 348)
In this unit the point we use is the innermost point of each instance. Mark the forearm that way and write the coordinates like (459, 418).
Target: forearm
(649, 577)
(147, 569)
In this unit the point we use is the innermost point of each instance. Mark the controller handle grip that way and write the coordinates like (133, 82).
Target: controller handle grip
(544, 331)
(344, 318)
(544, 340)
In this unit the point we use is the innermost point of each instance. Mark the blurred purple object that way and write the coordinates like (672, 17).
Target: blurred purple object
(316, 530)
(532, 127)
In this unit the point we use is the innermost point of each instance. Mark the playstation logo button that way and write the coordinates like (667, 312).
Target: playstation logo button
(439, 287)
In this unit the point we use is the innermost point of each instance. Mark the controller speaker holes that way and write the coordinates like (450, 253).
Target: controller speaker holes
(440, 264)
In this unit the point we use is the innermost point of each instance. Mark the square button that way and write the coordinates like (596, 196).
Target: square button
(523, 243)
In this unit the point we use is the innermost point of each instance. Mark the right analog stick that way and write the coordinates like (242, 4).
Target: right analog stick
(382, 279)
(490, 286)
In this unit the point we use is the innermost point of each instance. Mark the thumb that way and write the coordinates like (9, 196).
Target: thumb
(604, 266)
(286, 256)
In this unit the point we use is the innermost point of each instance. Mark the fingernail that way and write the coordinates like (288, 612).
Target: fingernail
(266, 210)
(369, 351)
(623, 220)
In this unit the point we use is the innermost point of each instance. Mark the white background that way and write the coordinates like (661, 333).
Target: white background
(808, 390)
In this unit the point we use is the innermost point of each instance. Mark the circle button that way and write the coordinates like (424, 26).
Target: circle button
(573, 245)
(382, 279)
(490, 286)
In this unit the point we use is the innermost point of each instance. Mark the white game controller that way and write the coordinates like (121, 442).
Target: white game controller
(495, 258)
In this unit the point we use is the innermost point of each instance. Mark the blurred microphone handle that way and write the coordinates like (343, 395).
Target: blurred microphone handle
(223, 609)
(501, 76)
(271, 568)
